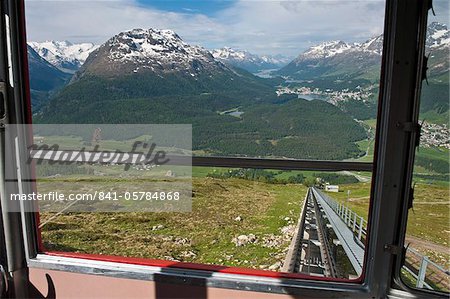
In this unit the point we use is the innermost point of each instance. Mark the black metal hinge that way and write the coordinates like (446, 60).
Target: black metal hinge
(412, 127)
(393, 249)
(411, 197)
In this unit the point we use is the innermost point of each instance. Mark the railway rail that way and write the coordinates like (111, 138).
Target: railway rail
(326, 226)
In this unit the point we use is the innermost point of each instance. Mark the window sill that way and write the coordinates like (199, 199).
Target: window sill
(251, 280)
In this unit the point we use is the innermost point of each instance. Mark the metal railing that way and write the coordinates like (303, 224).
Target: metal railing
(354, 221)
(427, 274)
(425, 271)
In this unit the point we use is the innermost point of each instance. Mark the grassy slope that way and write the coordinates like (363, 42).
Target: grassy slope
(434, 153)
(207, 231)
(433, 116)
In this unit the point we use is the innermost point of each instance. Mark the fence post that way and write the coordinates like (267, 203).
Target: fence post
(354, 222)
(345, 214)
(422, 272)
(361, 223)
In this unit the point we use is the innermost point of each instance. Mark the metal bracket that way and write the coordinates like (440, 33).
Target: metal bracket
(430, 6)
(412, 127)
(392, 249)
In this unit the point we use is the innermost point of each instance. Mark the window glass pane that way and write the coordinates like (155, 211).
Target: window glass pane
(255, 79)
(283, 79)
(240, 217)
(427, 257)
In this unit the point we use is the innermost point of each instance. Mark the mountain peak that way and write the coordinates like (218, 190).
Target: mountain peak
(140, 45)
(437, 35)
(149, 50)
(373, 45)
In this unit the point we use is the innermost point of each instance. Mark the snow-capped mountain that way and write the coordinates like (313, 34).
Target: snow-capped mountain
(229, 54)
(143, 63)
(341, 59)
(437, 36)
(150, 50)
(43, 75)
(278, 60)
(64, 55)
(336, 58)
(326, 50)
(438, 49)
(334, 48)
(248, 61)
(373, 45)
(144, 74)
(44, 78)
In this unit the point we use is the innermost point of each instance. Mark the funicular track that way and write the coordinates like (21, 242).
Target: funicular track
(325, 225)
(319, 233)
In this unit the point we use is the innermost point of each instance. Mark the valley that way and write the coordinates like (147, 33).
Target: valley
(143, 76)
(154, 77)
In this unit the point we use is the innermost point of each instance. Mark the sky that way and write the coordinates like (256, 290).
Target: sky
(258, 26)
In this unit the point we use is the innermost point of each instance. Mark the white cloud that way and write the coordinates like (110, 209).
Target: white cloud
(265, 27)
(292, 25)
(96, 21)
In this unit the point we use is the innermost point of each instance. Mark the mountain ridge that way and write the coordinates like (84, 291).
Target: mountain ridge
(66, 56)
(44, 78)
(248, 61)
(346, 60)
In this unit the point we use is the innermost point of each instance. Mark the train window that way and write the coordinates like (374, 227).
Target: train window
(250, 86)
(229, 137)
(427, 255)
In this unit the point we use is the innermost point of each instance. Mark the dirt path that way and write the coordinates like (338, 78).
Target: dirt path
(358, 198)
(360, 178)
(417, 243)
(432, 203)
